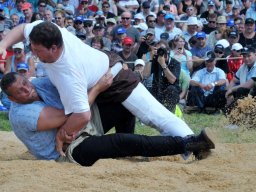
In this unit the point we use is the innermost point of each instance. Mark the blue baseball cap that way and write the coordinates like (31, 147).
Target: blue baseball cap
(79, 18)
(1, 6)
(169, 16)
(22, 66)
(200, 34)
(121, 30)
(231, 23)
(99, 13)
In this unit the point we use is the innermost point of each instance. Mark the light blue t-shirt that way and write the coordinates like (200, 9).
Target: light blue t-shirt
(24, 117)
(205, 77)
(244, 73)
(183, 61)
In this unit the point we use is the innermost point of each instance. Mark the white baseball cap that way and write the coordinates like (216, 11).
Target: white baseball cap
(237, 47)
(223, 42)
(192, 21)
(142, 26)
(139, 62)
(138, 16)
(19, 45)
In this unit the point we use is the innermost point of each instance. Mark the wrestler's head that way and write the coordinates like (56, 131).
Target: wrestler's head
(18, 88)
(46, 42)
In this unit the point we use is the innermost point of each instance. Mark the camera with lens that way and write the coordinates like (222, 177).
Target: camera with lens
(161, 51)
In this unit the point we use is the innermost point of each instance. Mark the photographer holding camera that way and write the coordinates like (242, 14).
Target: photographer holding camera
(166, 72)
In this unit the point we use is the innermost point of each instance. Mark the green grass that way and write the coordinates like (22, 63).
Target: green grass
(196, 121)
(4, 122)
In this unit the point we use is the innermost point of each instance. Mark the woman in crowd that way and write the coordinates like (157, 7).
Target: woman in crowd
(181, 54)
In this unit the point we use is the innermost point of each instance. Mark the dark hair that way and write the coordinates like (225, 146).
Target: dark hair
(33, 18)
(192, 41)
(46, 34)
(97, 40)
(212, 16)
(106, 3)
(41, 1)
(149, 17)
(8, 80)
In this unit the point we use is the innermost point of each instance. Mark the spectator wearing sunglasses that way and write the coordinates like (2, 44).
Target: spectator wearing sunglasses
(219, 52)
(84, 11)
(106, 10)
(88, 26)
(117, 44)
(19, 57)
(190, 11)
(233, 60)
(130, 30)
(233, 37)
(211, 25)
(79, 25)
(146, 10)
(41, 7)
(151, 21)
(219, 33)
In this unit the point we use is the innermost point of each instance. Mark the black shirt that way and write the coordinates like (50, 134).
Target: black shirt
(207, 29)
(222, 64)
(247, 42)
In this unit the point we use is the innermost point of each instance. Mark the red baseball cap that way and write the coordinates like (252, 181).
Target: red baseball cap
(25, 6)
(128, 41)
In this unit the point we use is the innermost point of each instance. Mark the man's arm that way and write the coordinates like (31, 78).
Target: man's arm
(76, 121)
(14, 36)
(196, 84)
(248, 85)
(168, 74)
(231, 87)
(50, 118)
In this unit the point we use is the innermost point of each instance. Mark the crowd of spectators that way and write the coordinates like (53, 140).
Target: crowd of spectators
(165, 42)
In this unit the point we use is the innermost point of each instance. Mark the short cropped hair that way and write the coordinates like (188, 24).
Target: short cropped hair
(8, 80)
(46, 34)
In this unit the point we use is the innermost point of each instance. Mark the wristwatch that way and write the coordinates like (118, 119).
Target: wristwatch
(164, 68)
(215, 83)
